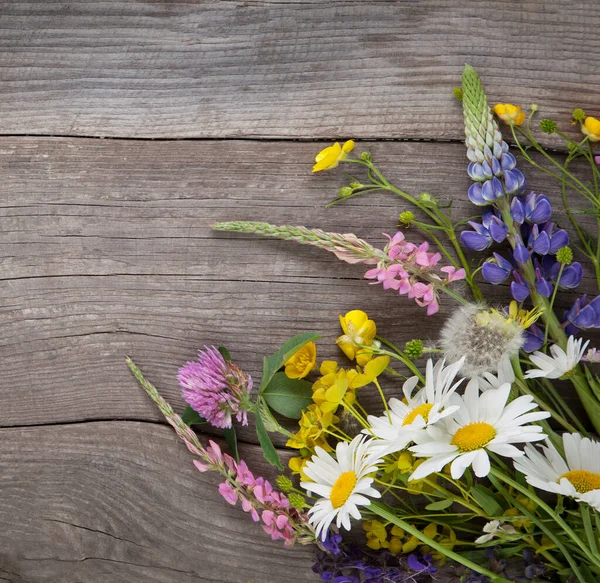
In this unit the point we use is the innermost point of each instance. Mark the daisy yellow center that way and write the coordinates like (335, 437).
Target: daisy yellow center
(582, 480)
(342, 489)
(473, 436)
(422, 410)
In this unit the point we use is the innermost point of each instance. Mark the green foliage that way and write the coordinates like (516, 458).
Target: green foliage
(288, 396)
(224, 352)
(439, 505)
(231, 439)
(268, 448)
(487, 500)
(191, 417)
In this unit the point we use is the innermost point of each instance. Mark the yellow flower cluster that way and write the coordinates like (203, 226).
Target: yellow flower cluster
(399, 542)
(335, 387)
(510, 114)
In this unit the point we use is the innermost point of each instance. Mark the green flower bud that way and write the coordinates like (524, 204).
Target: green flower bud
(414, 349)
(297, 501)
(548, 126)
(366, 156)
(426, 197)
(578, 114)
(344, 192)
(565, 255)
(534, 108)
(284, 483)
(458, 93)
(354, 185)
(406, 218)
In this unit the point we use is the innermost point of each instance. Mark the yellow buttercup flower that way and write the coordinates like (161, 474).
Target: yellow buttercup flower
(296, 464)
(510, 114)
(301, 362)
(376, 534)
(331, 156)
(337, 385)
(358, 330)
(312, 426)
(591, 128)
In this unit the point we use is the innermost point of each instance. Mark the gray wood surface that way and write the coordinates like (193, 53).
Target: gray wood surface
(105, 246)
(270, 68)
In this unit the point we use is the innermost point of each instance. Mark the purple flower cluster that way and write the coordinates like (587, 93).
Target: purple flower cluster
(350, 564)
(216, 388)
(537, 239)
(494, 173)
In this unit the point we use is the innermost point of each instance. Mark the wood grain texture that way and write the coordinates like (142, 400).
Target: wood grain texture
(295, 69)
(121, 502)
(107, 251)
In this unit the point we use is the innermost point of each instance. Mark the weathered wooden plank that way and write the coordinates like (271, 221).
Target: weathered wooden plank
(296, 69)
(121, 502)
(106, 251)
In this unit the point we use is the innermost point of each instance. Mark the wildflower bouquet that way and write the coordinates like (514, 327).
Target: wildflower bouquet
(476, 469)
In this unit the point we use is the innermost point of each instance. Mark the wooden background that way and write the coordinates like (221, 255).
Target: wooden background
(126, 129)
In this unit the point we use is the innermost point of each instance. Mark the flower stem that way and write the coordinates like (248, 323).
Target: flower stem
(384, 512)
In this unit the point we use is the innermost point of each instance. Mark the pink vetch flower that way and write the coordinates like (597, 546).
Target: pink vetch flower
(453, 274)
(409, 269)
(228, 492)
(597, 158)
(216, 388)
(593, 354)
(257, 495)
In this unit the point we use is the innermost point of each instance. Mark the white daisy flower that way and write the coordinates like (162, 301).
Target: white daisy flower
(491, 530)
(578, 477)
(409, 417)
(483, 422)
(343, 484)
(560, 363)
(488, 381)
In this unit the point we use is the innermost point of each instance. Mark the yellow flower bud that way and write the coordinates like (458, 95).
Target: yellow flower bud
(591, 128)
(510, 114)
(331, 156)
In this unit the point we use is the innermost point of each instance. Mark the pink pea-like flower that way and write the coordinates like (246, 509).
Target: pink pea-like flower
(227, 491)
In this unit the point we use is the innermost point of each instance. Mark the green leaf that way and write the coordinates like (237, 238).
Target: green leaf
(224, 352)
(274, 362)
(268, 448)
(440, 505)
(231, 439)
(191, 417)
(288, 396)
(487, 500)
